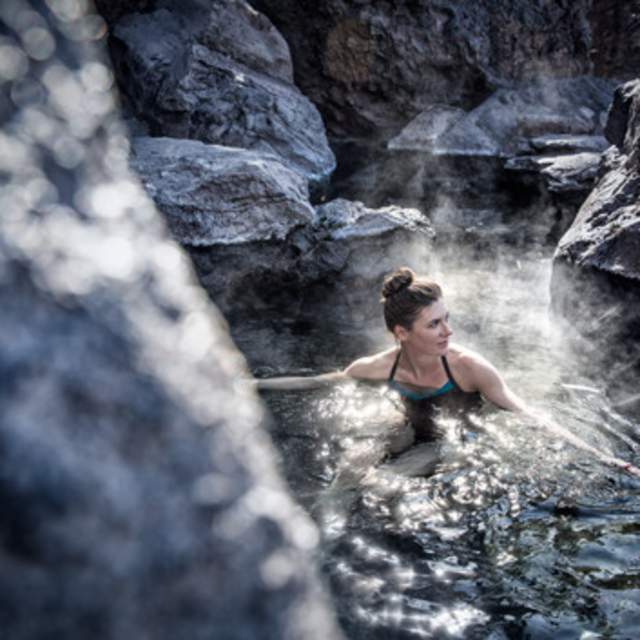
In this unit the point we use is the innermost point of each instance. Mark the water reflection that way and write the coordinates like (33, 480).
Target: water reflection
(496, 531)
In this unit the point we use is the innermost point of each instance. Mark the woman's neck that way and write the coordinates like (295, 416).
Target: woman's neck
(419, 363)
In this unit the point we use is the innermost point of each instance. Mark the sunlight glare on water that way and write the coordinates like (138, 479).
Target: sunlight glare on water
(498, 530)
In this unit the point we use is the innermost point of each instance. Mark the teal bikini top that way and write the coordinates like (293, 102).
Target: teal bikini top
(422, 394)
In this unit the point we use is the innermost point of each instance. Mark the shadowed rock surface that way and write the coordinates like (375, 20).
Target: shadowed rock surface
(140, 496)
(615, 45)
(220, 73)
(596, 275)
(371, 67)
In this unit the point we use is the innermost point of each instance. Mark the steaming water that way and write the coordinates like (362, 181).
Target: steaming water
(500, 531)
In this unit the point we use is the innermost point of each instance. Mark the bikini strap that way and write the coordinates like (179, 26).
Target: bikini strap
(448, 371)
(392, 373)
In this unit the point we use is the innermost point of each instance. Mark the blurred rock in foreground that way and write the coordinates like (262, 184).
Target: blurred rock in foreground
(140, 498)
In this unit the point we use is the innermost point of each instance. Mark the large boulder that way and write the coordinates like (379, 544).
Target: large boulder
(139, 493)
(220, 73)
(596, 272)
(221, 195)
(372, 66)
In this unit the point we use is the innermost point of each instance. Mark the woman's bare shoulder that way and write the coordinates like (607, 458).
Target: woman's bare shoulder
(373, 367)
(463, 356)
(467, 365)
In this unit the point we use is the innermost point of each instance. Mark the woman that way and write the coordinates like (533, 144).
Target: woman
(427, 371)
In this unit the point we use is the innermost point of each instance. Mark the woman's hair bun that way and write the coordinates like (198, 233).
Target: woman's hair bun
(397, 281)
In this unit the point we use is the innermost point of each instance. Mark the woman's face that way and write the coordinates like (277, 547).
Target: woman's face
(430, 330)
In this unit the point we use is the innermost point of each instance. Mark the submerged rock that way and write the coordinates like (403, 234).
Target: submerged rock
(596, 273)
(218, 73)
(140, 496)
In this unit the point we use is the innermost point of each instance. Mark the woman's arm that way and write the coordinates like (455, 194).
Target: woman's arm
(492, 386)
(370, 368)
(297, 383)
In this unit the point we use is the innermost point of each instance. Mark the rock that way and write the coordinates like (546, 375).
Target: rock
(356, 247)
(424, 130)
(140, 494)
(345, 220)
(596, 268)
(567, 144)
(372, 67)
(606, 233)
(219, 73)
(570, 106)
(446, 161)
(615, 38)
(575, 172)
(618, 130)
(213, 195)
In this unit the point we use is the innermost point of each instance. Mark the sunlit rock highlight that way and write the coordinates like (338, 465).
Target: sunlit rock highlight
(139, 495)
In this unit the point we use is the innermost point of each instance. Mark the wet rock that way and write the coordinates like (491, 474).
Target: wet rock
(596, 272)
(218, 73)
(220, 195)
(140, 497)
(371, 67)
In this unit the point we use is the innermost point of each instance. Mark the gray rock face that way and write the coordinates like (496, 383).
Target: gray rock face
(219, 195)
(219, 73)
(371, 67)
(140, 495)
(596, 272)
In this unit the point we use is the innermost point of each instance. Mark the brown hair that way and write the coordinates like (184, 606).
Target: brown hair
(404, 295)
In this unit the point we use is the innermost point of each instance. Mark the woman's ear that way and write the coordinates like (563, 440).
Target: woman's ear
(400, 333)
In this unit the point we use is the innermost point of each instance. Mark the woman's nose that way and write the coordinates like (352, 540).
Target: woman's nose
(447, 330)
